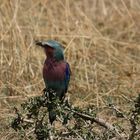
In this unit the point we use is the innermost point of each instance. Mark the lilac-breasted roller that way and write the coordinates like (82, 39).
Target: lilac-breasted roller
(56, 71)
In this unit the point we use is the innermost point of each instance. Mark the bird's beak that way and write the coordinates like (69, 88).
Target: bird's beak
(42, 44)
(39, 43)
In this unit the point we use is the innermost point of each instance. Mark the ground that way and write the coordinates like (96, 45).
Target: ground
(102, 46)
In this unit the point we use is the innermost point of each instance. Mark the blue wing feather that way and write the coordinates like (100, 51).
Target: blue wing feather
(67, 76)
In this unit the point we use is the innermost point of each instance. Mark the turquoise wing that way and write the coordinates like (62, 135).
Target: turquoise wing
(67, 76)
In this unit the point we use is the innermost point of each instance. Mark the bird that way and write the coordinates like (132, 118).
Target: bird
(56, 73)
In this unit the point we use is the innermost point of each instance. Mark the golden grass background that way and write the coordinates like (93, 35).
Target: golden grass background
(102, 44)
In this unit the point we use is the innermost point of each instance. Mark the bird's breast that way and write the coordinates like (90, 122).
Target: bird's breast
(54, 71)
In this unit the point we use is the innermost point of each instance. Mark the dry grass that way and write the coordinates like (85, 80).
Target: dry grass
(102, 45)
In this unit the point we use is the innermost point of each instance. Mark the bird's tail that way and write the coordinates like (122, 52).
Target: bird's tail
(52, 112)
(52, 104)
(55, 98)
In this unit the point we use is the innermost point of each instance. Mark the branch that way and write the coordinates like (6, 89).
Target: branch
(118, 112)
(133, 125)
(100, 122)
(27, 120)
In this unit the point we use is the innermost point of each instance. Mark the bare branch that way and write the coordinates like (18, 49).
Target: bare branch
(100, 122)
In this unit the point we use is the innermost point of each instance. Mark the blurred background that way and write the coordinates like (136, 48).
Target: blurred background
(102, 45)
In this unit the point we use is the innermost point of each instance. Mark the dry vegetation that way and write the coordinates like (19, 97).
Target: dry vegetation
(102, 45)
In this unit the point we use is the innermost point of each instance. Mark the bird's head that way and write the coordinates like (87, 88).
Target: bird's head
(52, 49)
